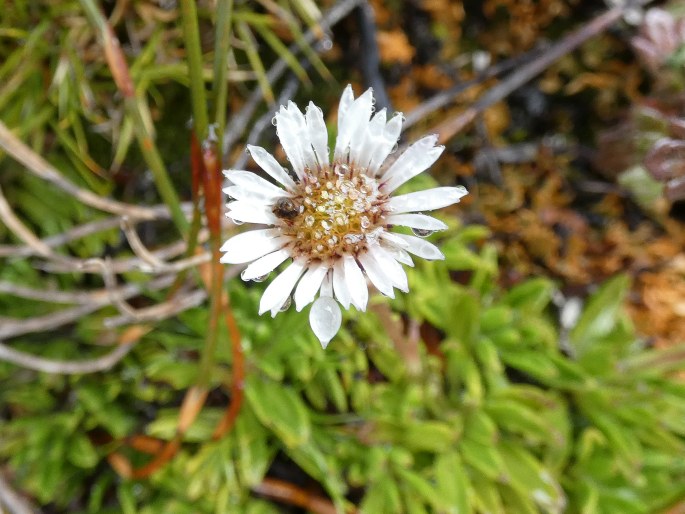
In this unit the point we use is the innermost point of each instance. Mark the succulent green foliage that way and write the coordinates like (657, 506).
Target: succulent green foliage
(495, 418)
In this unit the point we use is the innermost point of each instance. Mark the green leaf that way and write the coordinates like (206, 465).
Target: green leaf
(419, 486)
(81, 452)
(495, 318)
(483, 458)
(434, 436)
(280, 409)
(334, 387)
(531, 479)
(317, 464)
(452, 483)
(106, 413)
(534, 363)
(480, 427)
(254, 455)
(486, 495)
(519, 419)
(530, 296)
(127, 498)
(601, 314)
(382, 497)
(252, 51)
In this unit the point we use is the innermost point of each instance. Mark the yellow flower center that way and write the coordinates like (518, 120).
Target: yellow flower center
(335, 211)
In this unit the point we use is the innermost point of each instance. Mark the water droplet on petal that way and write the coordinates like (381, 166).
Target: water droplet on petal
(286, 304)
(325, 319)
(422, 232)
(237, 222)
(274, 121)
(394, 148)
(261, 278)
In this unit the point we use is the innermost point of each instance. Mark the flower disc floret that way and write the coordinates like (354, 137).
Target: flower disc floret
(339, 211)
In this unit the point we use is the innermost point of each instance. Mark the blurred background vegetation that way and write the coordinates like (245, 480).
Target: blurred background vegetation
(537, 369)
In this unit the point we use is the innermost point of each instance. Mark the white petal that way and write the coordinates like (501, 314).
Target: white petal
(394, 239)
(251, 245)
(356, 283)
(318, 133)
(422, 248)
(427, 200)
(346, 101)
(391, 134)
(352, 126)
(247, 195)
(358, 124)
(400, 255)
(420, 221)
(376, 274)
(254, 183)
(342, 293)
(325, 319)
(264, 265)
(247, 212)
(373, 139)
(390, 267)
(415, 160)
(327, 285)
(309, 285)
(268, 163)
(291, 128)
(278, 291)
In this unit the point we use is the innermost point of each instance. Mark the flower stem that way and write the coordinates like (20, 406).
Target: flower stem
(224, 14)
(191, 34)
(211, 160)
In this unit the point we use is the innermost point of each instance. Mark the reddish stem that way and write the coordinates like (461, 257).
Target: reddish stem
(288, 493)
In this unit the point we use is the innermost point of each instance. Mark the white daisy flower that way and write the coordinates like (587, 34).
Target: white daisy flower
(333, 219)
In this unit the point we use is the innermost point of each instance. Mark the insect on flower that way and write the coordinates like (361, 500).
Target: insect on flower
(333, 219)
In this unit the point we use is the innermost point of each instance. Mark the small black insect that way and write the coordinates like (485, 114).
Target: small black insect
(286, 208)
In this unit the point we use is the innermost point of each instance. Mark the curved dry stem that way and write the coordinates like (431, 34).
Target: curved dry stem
(11, 500)
(41, 168)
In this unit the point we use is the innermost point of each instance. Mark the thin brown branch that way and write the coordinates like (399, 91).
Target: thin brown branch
(124, 265)
(193, 401)
(137, 245)
(10, 327)
(15, 225)
(449, 96)
(285, 492)
(93, 301)
(81, 231)
(28, 361)
(47, 295)
(238, 379)
(161, 311)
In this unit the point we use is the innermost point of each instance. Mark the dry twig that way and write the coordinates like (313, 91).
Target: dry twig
(41, 168)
